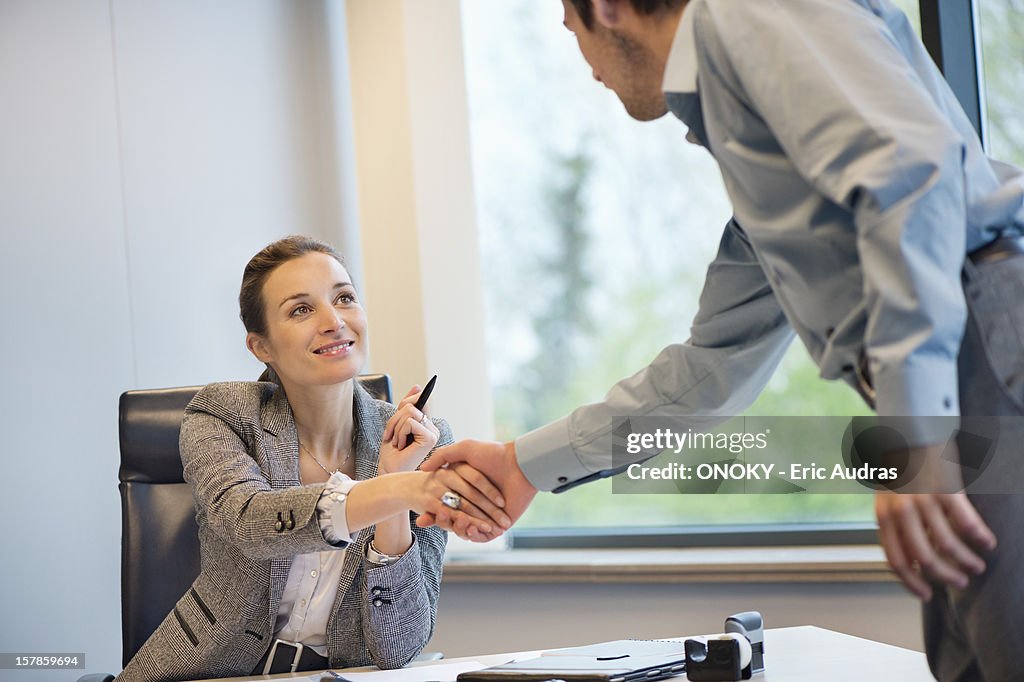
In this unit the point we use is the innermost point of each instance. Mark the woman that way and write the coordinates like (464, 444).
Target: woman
(303, 488)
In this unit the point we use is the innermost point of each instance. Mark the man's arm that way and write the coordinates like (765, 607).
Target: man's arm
(875, 135)
(861, 126)
(738, 337)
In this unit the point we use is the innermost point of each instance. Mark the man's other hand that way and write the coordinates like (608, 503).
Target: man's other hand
(932, 538)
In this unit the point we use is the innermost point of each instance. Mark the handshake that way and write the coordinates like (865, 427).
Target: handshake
(488, 495)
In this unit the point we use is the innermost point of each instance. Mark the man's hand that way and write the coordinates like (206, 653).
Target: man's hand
(932, 537)
(930, 531)
(496, 461)
(479, 513)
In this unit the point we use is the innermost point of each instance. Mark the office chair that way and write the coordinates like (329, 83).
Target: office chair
(159, 535)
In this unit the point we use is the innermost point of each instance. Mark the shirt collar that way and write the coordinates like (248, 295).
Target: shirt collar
(681, 68)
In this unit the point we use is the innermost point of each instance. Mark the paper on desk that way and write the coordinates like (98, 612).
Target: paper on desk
(445, 672)
(634, 647)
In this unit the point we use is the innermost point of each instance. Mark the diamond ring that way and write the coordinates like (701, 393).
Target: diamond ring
(451, 500)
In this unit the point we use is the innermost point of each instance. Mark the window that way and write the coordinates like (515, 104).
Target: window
(1002, 24)
(596, 232)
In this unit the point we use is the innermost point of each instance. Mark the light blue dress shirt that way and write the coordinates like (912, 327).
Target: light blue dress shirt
(858, 185)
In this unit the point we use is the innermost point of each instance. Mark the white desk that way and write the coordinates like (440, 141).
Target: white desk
(800, 654)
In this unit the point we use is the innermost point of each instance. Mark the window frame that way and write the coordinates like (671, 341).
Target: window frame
(950, 31)
(730, 535)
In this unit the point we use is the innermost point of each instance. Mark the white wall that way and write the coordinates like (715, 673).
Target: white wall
(67, 343)
(147, 150)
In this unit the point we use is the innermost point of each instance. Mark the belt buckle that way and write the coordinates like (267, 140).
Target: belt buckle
(1000, 248)
(297, 646)
(864, 381)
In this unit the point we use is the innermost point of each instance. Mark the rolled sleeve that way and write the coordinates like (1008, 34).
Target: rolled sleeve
(331, 509)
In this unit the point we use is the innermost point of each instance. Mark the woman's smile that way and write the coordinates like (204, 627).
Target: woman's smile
(312, 309)
(336, 348)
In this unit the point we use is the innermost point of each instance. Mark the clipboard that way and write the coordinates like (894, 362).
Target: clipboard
(622, 660)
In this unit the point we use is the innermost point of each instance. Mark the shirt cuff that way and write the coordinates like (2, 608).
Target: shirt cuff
(547, 458)
(331, 508)
(925, 389)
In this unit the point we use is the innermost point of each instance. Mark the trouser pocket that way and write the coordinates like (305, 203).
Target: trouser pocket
(995, 301)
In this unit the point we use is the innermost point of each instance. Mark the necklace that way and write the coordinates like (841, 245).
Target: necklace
(320, 464)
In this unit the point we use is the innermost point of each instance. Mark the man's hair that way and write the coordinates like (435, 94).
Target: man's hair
(585, 8)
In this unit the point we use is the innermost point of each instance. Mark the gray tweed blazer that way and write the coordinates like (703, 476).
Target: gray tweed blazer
(240, 452)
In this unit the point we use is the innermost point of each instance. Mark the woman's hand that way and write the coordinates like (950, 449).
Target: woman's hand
(395, 456)
(479, 514)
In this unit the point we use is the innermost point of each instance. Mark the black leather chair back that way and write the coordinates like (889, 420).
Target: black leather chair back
(160, 539)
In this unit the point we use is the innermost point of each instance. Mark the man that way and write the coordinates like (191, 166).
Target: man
(864, 207)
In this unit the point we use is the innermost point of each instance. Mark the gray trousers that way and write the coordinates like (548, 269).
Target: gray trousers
(978, 633)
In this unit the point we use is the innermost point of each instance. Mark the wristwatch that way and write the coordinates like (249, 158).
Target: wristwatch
(378, 557)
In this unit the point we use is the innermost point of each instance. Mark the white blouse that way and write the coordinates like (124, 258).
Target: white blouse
(308, 598)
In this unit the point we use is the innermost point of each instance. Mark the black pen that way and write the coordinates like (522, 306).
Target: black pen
(421, 402)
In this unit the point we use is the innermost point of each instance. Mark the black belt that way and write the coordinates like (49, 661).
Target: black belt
(287, 657)
(1003, 247)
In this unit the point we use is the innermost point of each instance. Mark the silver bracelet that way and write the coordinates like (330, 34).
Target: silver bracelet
(379, 557)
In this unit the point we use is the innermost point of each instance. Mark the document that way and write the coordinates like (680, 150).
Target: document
(623, 660)
(444, 672)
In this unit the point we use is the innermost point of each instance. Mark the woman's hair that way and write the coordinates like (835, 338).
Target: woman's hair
(250, 298)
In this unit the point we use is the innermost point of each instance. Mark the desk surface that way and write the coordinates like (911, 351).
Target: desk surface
(799, 654)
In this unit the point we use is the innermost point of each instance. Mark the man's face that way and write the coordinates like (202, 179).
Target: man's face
(623, 63)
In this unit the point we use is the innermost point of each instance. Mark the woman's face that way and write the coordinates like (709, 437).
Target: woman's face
(316, 328)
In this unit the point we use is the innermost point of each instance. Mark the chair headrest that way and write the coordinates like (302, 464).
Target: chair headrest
(150, 422)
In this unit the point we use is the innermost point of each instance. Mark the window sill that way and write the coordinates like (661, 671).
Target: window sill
(851, 564)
